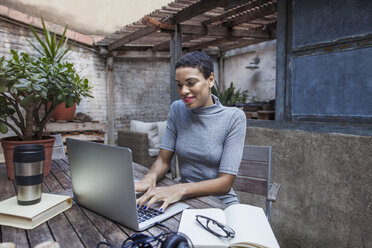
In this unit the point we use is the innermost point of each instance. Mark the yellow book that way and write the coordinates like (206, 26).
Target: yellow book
(29, 217)
(249, 223)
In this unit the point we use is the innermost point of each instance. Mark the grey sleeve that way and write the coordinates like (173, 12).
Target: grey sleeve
(233, 146)
(169, 139)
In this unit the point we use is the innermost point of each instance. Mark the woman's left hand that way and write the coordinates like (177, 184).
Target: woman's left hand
(167, 195)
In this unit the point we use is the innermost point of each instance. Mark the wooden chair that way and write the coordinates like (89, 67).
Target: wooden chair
(255, 174)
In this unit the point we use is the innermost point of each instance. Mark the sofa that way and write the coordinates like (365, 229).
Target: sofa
(143, 138)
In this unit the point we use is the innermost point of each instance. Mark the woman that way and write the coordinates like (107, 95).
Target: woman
(207, 137)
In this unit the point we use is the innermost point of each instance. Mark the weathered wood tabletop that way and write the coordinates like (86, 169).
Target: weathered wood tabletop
(78, 226)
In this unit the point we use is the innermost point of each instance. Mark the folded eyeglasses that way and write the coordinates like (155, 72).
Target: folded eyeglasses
(216, 228)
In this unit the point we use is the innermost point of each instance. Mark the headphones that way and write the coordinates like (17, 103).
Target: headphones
(167, 239)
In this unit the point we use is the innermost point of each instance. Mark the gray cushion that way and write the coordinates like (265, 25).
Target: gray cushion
(147, 127)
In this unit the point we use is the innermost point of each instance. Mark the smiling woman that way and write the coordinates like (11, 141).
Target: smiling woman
(207, 137)
(193, 88)
(194, 83)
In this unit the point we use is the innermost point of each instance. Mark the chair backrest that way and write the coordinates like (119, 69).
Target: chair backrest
(255, 172)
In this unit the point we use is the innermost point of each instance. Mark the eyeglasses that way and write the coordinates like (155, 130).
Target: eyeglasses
(216, 228)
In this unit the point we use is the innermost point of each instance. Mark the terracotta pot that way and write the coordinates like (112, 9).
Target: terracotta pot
(9, 143)
(61, 113)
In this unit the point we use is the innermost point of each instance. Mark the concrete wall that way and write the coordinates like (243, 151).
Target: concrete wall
(259, 82)
(142, 91)
(86, 60)
(326, 194)
(99, 17)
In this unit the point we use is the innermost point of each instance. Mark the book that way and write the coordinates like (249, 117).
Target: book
(30, 216)
(250, 224)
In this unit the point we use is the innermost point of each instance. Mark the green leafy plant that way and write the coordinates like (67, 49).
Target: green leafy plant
(31, 88)
(51, 48)
(229, 96)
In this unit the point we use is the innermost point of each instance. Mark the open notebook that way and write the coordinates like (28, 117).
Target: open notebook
(249, 223)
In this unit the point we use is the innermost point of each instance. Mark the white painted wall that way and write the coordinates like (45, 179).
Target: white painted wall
(99, 17)
(259, 82)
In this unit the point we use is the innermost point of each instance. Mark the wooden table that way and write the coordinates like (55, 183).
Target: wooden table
(78, 226)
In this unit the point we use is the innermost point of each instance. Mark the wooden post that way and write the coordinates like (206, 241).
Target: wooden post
(281, 62)
(221, 83)
(110, 99)
(175, 54)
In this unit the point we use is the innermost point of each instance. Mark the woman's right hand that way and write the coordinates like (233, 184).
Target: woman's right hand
(157, 171)
(146, 183)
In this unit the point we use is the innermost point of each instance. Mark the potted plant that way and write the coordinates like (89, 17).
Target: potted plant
(230, 97)
(27, 85)
(55, 51)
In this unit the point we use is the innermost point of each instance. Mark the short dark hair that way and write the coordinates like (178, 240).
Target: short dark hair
(197, 59)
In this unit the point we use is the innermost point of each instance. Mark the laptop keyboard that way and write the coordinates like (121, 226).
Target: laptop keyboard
(146, 214)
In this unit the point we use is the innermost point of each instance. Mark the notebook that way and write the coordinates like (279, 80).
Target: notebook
(102, 181)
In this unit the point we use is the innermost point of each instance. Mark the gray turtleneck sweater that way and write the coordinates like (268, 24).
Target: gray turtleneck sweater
(207, 141)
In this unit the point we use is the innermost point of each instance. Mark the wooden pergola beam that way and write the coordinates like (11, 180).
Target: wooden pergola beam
(235, 11)
(140, 54)
(165, 45)
(215, 42)
(110, 99)
(241, 44)
(131, 37)
(225, 31)
(197, 9)
(267, 9)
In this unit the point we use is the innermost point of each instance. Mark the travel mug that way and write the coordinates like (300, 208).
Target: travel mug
(28, 163)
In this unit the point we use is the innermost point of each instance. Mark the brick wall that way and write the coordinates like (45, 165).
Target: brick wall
(142, 91)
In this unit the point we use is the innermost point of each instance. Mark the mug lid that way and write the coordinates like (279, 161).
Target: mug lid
(28, 153)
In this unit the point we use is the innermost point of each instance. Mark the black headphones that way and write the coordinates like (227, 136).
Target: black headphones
(167, 239)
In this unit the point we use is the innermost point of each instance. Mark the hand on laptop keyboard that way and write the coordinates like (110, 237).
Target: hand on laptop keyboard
(146, 214)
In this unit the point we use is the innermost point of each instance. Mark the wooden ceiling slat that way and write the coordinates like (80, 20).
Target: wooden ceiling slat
(241, 9)
(133, 36)
(170, 8)
(179, 6)
(198, 8)
(166, 11)
(252, 15)
(166, 44)
(215, 42)
(241, 44)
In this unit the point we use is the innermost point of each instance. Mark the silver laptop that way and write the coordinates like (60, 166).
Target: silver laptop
(102, 181)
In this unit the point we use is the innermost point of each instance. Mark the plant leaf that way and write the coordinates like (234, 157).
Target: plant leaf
(3, 87)
(3, 128)
(53, 45)
(70, 102)
(42, 43)
(37, 49)
(62, 38)
(46, 34)
(27, 100)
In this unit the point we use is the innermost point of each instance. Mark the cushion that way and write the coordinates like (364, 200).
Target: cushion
(162, 126)
(151, 128)
(153, 152)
